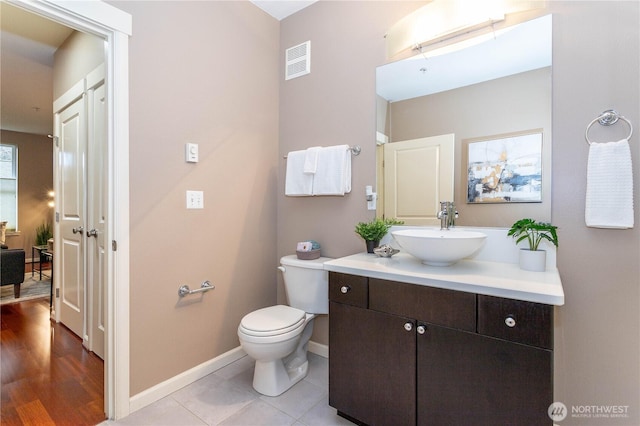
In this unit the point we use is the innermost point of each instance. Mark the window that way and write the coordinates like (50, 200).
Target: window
(9, 185)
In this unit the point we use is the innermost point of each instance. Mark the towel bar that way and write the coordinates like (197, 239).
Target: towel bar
(608, 118)
(355, 150)
(185, 290)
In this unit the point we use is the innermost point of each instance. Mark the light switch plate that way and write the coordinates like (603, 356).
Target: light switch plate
(371, 204)
(195, 199)
(191, 152)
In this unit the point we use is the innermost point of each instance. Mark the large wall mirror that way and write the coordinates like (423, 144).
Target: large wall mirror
(495, 87)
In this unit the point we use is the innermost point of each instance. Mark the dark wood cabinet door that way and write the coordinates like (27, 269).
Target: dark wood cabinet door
(372, 365)
(466, 378)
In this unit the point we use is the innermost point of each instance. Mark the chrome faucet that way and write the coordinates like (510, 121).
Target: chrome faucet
(447, 214)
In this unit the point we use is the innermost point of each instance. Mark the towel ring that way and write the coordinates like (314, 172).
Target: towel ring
(608, 118)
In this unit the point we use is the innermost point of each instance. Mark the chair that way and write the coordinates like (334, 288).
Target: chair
(12, 263)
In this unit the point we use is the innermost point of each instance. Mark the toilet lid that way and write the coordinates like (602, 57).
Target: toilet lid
(272, 320)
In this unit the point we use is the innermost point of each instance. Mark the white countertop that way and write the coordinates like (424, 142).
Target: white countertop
(473, 276)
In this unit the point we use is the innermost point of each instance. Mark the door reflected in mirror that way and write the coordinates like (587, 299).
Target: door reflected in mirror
(477, 89)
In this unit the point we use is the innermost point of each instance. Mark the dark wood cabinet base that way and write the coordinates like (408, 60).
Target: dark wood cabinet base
(406, 354)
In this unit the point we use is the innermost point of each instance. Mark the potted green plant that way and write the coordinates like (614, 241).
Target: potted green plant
(43, 233)
(533, 259)
(373, 231)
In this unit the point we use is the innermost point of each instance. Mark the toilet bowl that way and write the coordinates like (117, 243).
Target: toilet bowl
(277, 337)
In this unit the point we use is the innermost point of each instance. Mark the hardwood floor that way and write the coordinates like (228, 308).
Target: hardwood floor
(48, 378)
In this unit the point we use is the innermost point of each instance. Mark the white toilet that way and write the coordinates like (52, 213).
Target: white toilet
(277, 336)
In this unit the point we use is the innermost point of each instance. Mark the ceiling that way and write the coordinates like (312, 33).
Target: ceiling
(27, 45)
(280, 9)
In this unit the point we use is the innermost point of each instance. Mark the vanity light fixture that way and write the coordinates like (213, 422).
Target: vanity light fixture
(442, 20)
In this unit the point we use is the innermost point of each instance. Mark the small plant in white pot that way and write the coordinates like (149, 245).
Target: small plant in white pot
(533, 259)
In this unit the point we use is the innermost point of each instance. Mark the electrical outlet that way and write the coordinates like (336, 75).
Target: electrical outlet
(195, 199)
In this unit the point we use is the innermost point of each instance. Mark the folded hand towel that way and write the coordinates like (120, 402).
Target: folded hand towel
(333, 173)
(297, 183)
(311, 159)
(609, 197)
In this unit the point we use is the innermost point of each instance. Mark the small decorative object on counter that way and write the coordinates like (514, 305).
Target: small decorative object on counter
(374, 230)
(308, 250)
(533, 259)
(385, 250)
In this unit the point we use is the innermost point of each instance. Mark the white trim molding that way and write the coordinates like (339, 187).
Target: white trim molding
(319, 349)
(115, 27)
(162, 389)
(175, 383)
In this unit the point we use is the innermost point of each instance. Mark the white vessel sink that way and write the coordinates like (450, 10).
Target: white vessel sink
(439, 247)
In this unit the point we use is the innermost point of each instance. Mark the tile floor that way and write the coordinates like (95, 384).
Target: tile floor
(226, 397)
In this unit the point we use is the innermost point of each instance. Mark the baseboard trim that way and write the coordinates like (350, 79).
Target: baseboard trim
(159, 391)
(175, 383)
(319, 349)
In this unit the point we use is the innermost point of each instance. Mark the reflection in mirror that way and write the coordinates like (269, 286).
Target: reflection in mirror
(480, 89)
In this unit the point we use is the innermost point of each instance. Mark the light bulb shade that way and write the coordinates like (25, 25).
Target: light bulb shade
(444, 19)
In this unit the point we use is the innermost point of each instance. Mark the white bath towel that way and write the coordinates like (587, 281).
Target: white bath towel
(297, 183)
(609, 198)
(311, 159)
(333, 173)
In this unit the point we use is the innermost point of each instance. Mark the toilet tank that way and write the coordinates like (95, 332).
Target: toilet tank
(306, 283)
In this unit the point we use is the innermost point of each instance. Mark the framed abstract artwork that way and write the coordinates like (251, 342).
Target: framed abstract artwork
(505, 168)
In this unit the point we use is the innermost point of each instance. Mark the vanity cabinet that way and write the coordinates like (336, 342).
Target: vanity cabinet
(409, 354)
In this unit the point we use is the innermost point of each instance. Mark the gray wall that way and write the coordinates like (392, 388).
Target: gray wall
(595, 67)
(202, 72)
(335, 104)
(80, 54)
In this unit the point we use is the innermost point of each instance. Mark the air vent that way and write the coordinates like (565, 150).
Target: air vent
(298, 60)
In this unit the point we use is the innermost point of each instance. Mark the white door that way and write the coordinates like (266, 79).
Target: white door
(71, 208)
(96, 217)
(418, 174)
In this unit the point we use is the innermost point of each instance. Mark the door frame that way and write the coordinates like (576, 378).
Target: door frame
(115, 27)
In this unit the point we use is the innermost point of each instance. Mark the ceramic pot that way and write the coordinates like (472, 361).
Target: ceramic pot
(371, 245)
(533, 260)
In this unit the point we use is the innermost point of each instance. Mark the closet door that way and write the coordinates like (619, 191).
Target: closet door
(96, 217)
(71, 208)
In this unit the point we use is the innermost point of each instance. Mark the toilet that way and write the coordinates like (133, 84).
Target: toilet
(277, 336)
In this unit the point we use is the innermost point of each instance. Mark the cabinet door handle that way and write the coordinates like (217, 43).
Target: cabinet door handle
(77, 230)
(92, 233)
(510, 321)
(408, 326)
(345, 289)
(421, 329)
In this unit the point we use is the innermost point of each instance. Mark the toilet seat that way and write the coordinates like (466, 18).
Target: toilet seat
(272, 321)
